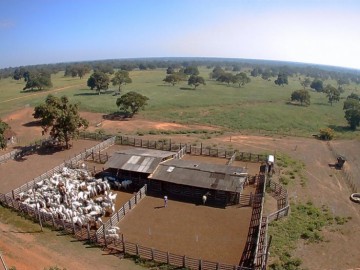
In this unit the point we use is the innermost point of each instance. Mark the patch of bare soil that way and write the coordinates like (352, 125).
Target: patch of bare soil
(38, 250)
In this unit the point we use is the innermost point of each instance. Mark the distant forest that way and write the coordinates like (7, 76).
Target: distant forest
(264, 68)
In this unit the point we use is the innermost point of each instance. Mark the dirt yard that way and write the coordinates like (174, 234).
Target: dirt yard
(324, 185)
(196, 231)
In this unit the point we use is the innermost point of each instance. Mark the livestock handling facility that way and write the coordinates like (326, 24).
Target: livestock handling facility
(188, 180)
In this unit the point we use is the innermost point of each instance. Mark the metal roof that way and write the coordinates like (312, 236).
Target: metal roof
(137, 160)
(203, 175)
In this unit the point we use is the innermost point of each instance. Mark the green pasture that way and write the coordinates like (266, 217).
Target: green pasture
(259, 107)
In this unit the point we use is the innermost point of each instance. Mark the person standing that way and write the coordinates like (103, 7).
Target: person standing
(165, 200)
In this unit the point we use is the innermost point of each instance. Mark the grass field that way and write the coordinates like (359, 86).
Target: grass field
(260, 106)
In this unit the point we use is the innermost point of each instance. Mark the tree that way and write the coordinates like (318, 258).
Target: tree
(242, 79)
(61, 118)
(281, 79)
(172, 79)
(170, 70)
(37, 79)
(121, 78)
(305, 83)
(317, 85)
(332, 93)
(98, 80)
(77, 70)
(352, 111)
(131, 102)
(301, 96)
(196, 81)
(191, 70)
(3, 127)
(226, 77)
(216, 73)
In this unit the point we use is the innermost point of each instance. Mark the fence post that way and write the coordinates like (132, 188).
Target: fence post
(200, 264)
(136, 198)
(217, 266)
(124, 210)
(104, 235)
(13, 194)
(184, 261)
(137, 249)
(88, 231)
(152, 254)
(117, 216)
(123, 243)
(129, 204)
(167, 258)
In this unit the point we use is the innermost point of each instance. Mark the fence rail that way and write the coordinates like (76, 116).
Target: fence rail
(69, 163)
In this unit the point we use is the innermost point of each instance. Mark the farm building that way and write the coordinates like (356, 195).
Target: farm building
(221, 183)
(165, 174)
(136, 164)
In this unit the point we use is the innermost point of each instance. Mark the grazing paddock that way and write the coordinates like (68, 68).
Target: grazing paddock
(16, 173)
(197, 231)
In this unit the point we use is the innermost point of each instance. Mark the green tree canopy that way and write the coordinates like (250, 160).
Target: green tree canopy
(121, 78)
(241, 79)
(172, 79)
(352, 110)
(317, 85)
(131, 102)
(281, 79)
(301, 96)
(196, 81)
(226, 77)
(61, 118)
(170, 70)
(98, 80)
(191, 70)
(77, 70)
(332, 93)
(3, 127)
(217, 72)
(37, 79)
(305, 83)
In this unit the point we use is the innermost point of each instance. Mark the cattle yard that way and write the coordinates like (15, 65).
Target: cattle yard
(191, 230)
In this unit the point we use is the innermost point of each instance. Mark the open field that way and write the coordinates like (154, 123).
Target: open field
(260, 106)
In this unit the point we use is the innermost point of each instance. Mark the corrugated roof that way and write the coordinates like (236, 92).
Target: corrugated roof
(203, 175)
(137, 160)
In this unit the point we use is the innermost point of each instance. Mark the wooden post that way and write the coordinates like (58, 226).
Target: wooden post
(123, 243)
(13, 194)
(53, 221)
(217, 266)
(137, 249)
(167, 258)
(104, 235)
(111, 224)
(200, 148)
(170, 145)
(129, 204)
(200, 264)
(88, 231)
(184, 261)
(117, 216)
(152, 254)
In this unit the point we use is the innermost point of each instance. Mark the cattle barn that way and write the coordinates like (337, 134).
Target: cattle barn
(137, 163)
(186, 178)
(183, 179)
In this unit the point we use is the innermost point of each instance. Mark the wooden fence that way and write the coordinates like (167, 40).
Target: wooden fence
(119, 215)
(69, 163)
(23, 151)
(169, 145)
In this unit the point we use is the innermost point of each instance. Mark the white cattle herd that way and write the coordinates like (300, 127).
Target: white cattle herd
(74, 196)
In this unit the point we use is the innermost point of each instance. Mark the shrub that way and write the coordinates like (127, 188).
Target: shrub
(326, 134)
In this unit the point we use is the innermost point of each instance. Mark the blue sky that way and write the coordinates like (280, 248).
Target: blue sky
(51, 31)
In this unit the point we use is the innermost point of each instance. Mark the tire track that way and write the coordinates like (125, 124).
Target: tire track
(41, 93)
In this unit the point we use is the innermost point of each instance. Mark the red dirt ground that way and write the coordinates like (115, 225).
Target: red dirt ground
(196, 231)
(324, 186)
